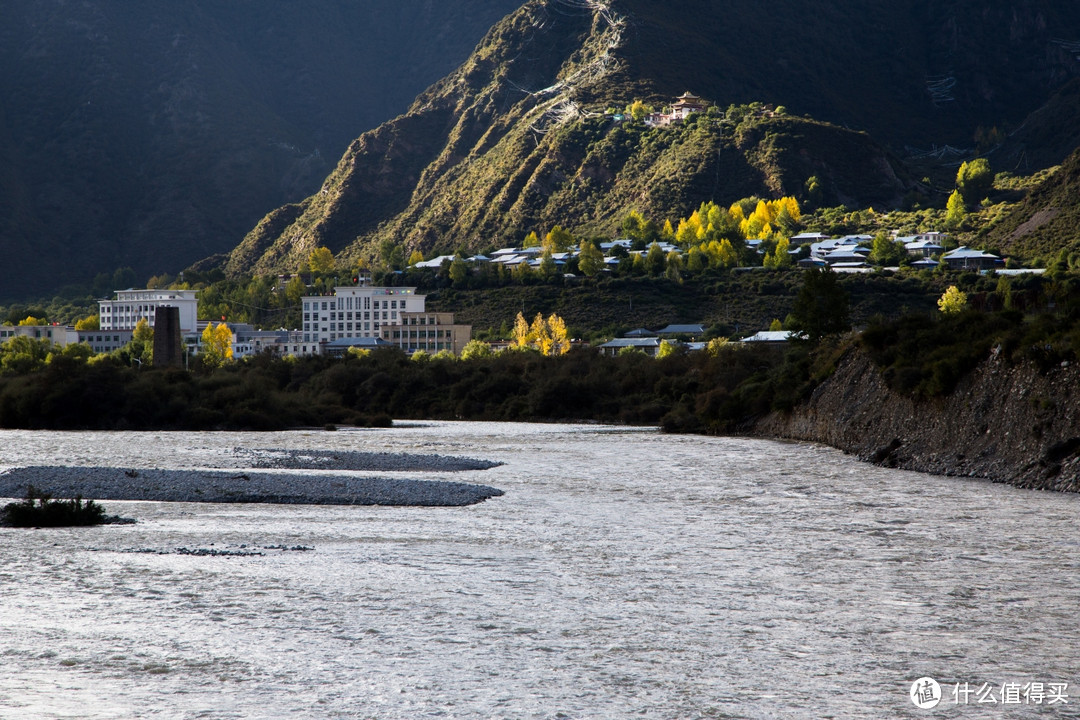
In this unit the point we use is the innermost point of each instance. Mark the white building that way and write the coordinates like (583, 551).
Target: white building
(132, 305)
(356, 311)
(363, 311)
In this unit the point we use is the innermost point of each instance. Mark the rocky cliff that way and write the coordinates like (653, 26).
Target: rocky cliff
(1008, 423)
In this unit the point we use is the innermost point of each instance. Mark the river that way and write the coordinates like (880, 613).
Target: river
(625, 573)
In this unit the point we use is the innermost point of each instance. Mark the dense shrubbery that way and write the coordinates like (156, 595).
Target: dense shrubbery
(686, 391)
(40, 510)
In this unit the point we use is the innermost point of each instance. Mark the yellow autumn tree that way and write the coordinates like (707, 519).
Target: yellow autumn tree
(953, 300)
(216, 346)
(520, 335)
(560, 343)
(540, 335)
(321, 260)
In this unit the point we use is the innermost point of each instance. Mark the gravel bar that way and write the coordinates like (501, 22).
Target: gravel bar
(353, 460)
(106, 483)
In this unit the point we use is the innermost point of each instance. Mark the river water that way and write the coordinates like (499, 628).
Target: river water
(624, 573)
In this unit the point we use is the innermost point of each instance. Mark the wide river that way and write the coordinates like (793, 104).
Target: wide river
(624, 574)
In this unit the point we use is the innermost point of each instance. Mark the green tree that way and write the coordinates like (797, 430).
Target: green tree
(952, 301)
(20, 355)
(821, 307)
(531, 240)
(590, 259)
(776, 325)
(30, 320)
(974, 180)
(886, 251)
(655, 260)
(955, 212)
(476, 349)
(321, 261)
(548, 268)
(458, 271)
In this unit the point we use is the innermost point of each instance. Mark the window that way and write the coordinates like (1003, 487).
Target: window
(332, 305)
(393, 304)
(324, 305)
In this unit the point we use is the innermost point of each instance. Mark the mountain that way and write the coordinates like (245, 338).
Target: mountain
(152, 134)
(515, 139)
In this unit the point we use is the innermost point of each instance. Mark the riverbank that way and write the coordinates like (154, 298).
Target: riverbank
(1005, 422)
(284, 486)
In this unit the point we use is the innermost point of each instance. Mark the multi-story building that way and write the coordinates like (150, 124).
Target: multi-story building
(394, 314)
(60, 335)
(130, 306)
(427, 331)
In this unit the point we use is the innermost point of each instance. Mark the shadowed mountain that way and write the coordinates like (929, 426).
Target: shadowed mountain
(151, 134)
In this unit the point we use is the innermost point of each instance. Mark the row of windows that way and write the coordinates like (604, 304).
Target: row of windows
(387, 315)
(347, 304)
(414, 334)
(335, 327)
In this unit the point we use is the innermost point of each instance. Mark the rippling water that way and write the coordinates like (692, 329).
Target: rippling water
(625, 573)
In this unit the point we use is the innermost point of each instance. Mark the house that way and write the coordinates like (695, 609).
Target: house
(649, 346)
(964, 258)
(920, 246)
(640, 333)
(696, 329)
(773, 337)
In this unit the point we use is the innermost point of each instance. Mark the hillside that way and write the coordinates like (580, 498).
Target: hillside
(512, 142)
(1047, 221)
(152, 134)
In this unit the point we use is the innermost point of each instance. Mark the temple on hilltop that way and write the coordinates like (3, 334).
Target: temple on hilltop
(684, 106)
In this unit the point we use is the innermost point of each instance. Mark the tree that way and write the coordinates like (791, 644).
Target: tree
(637, 110)
(30, 320)
(952, 301)
(560, 344)
(458, 271)
(476, 349)
(416, 257)
(548, 268)
(590, 259)
(321, 261)
(531, 240)
(655, 260)
(295, 289)
(821, 307)
(540, 335)
(779, 258)
(974, 180)
(955, 212)
(558, 240)
(776, 325)
(216, 346)
(886, 251)
(520, 336)
(666, 348)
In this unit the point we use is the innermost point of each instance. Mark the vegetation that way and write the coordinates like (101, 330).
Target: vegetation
(38, 509)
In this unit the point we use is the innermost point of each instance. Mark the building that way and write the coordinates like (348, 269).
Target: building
(683, 107)
(964, 258)
(394, 314)
(427, 331)
(130, 306)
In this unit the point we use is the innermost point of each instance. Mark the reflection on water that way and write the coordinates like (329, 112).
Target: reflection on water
(624, 573)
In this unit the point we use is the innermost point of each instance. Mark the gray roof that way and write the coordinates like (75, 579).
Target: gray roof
(640, 332)
(682, 330)
(360, 342)
(632, 342)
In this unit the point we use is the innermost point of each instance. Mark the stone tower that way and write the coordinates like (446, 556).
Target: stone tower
(168, 344)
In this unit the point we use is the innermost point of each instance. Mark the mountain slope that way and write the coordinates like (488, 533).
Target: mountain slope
(151, 134)
(511, 142)
(1047, 221)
